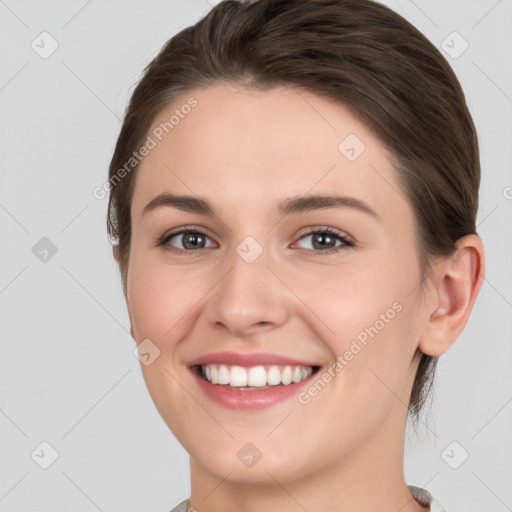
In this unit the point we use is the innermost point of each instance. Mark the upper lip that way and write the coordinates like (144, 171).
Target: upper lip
(254, 359)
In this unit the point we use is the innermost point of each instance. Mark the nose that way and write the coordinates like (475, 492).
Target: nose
(249, 298)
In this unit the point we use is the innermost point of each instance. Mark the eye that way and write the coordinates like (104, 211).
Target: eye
(190, 239)
(326, 240)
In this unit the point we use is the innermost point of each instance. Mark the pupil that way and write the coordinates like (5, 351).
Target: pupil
(318, 238)
(191, 238)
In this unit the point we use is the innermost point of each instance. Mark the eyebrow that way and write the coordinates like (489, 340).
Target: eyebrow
(287, 207)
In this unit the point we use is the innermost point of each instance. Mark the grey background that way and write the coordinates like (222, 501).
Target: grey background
(67, 372)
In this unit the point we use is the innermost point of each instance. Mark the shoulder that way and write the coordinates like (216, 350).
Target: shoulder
(423, 497)
(182, 507)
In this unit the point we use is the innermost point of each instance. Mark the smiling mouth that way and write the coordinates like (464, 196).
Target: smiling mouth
(248, 378)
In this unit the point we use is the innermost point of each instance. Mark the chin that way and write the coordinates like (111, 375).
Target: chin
(236, 466)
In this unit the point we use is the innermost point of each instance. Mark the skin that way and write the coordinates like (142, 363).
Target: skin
(243, 152)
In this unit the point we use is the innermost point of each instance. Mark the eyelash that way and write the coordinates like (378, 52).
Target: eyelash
(346, 243)
(162, 242)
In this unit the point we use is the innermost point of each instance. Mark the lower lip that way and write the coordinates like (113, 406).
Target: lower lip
(249, 400)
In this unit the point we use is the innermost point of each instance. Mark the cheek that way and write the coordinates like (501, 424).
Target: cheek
(366, 315)
(161, 299)
(347, 299)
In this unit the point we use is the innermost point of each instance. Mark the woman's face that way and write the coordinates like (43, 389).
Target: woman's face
(261, 291)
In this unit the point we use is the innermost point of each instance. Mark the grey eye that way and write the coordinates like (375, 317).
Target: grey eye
(190, 240)
(321, 240)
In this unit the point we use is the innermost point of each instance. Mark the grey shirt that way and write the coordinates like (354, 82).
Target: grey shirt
(422, 496)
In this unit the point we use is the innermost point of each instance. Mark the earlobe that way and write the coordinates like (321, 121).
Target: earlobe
(458, 280)
(117, 256)
(131, 325)
(115, 252)
(130, 318)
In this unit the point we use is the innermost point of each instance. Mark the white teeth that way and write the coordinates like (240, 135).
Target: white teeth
(238, 376)
(223, 374)
(297, 374)
(286, 375)
(254, 376)
(257, 376)
(214, 372)
(274, 376)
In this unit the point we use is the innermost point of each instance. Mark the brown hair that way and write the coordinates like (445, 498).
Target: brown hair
(356, 52)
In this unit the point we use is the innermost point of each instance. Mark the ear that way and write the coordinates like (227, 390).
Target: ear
(116, 253)
(131, 324)
(117, 257)
(130, 317)
(455, 286)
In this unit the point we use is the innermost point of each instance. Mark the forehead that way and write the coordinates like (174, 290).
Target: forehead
(257, 145)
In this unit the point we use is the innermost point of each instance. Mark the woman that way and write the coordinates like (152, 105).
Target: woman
(293, 198)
